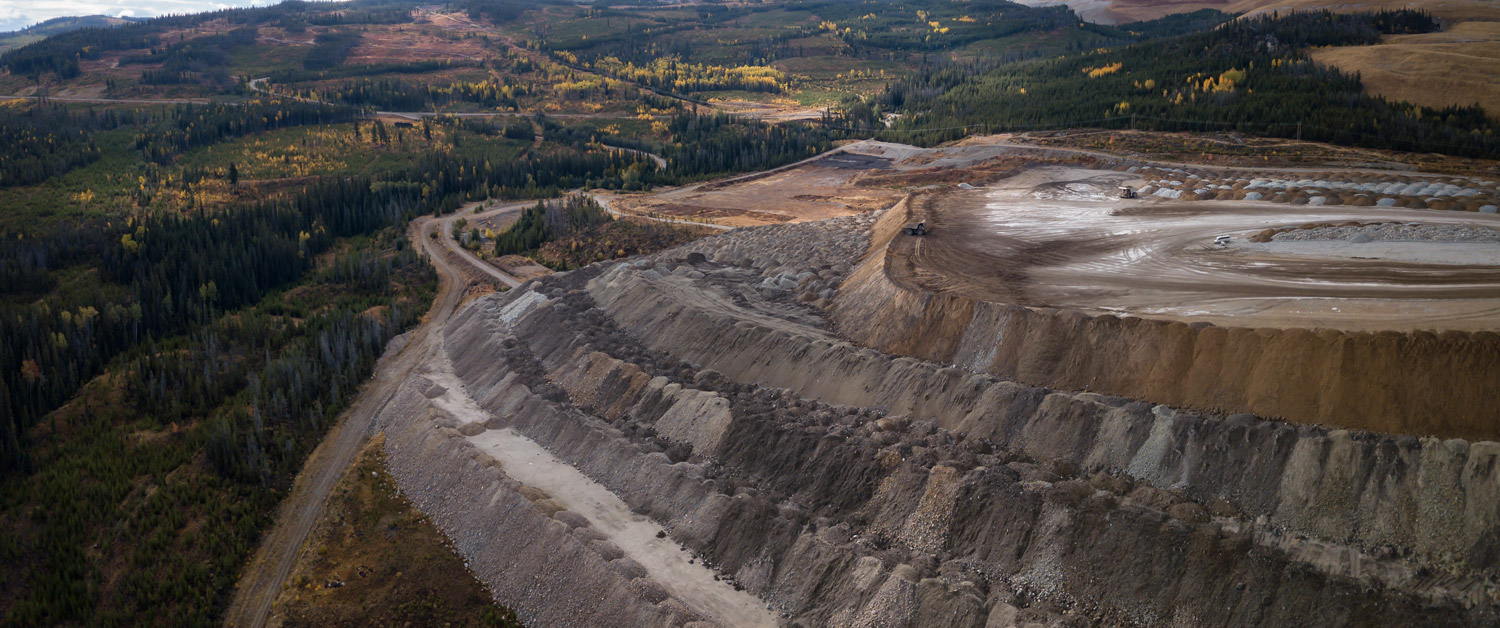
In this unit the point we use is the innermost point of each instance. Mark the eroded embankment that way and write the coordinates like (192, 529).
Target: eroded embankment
(704, 389)
(1417, 383)
(704, 392)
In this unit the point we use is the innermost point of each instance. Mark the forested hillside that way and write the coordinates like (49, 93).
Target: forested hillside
(1250, 75)
(193, 292)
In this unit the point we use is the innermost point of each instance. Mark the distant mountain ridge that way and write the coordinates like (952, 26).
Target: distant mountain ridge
(70, 23)
(42, 30)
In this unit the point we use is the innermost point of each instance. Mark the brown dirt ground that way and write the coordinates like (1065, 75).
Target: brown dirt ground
(1412, 382)
(401, 43)
(1131, 10)
(396, 567)
(806, 193)
(1232, 149)
(521, 268)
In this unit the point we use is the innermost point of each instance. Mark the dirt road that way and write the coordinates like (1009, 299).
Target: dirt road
(482, 266)
(278, 550)
(642, 539)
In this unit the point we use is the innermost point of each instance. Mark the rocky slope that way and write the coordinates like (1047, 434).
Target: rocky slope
(707, 389)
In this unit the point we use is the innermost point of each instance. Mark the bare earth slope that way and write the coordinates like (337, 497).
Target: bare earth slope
(776, 426)
(845, 487)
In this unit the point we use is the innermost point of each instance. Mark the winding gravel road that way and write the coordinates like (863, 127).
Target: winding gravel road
(268, 569)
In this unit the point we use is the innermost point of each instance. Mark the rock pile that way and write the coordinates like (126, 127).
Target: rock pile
(1392, 232)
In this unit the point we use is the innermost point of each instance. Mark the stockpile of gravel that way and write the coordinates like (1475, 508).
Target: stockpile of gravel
(1392, 232)
(835, 241)
(807, 259)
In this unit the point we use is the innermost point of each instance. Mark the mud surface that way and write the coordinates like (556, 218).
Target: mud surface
(1053, 237)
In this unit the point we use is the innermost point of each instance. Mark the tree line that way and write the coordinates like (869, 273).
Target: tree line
(189, 126)
(1251, 75)
(45, 140)
(711, 145)
(248, 393)
(62, 53)
(331, 49)
(546, 222)
(170, 272)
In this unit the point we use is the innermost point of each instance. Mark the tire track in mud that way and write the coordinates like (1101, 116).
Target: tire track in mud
(1025, 241)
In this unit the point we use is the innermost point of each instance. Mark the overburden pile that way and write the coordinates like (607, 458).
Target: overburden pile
(708, 389)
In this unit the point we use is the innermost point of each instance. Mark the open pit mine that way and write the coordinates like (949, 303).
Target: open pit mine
(1245, 397)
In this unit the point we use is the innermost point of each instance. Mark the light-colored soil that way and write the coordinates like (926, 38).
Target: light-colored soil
(403, 43)
(1452, 253)
(756, 300)
(667, 562)
(640, 538)
(521, 268)
(1055, 237)
(769, 111)
(267, 571)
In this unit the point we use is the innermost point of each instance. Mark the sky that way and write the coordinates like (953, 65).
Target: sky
(18, 14)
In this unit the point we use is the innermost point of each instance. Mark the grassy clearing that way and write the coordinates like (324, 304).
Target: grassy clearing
(374, 560)
(66, 196)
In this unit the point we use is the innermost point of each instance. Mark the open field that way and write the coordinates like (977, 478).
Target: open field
(374, 559)
(1458, 66)
(813, 191)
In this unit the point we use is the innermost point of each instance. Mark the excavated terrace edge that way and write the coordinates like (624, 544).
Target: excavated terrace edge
(690, 506)
(1413, 383)
(1438, 499)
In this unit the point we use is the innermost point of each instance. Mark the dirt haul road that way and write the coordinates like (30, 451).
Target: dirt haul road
(274, 558)
(1059, 237)
(420, 350)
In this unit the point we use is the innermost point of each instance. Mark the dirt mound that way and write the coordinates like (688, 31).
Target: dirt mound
(1392, 232)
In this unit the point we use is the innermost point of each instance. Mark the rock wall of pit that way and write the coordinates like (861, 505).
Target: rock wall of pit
(1416, 383)
(527, 552)
(850, 487)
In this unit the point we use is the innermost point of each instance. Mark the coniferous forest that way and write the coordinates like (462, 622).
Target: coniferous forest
(1250, 75)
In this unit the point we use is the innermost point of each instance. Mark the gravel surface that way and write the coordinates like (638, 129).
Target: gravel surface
(1393, 232)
